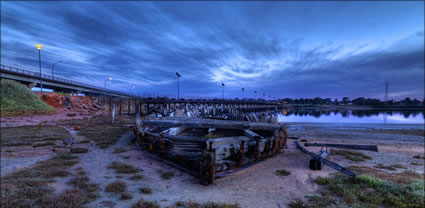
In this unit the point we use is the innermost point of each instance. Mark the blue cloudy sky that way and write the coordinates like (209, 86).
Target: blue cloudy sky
(282, 49)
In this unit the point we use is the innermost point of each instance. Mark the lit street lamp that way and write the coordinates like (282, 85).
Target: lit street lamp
(243, 90)
(178, 85)
(53, 67)
(39, 63)
(110, 78)
(222, 91)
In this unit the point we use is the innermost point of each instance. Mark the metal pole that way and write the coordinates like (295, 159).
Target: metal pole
(39, 62)
(178, 88)
(54, 67)
(222, 94)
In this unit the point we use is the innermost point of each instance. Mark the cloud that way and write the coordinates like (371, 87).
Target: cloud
(261, 46)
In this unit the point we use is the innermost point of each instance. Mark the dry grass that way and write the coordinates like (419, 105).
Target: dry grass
(404, 177)
(194, 204)
(100, 129)
(283, 172)
(78, 150)
(32, 135)
(119, 150)
(419, 157)
(123, 168)
(29, 187)
(351, 155)
(116, 187)
(126, 196)
(145, 204)
(145, 190)
(166, 175)
(136, 177)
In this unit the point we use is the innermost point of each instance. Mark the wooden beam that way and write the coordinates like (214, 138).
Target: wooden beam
(345, 146)
(326, 162)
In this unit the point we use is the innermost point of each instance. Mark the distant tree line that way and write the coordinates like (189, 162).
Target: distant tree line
(358, 101)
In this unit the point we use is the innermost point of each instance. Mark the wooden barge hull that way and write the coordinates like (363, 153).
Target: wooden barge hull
(209, 148)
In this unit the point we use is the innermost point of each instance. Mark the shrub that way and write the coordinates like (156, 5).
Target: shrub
(17, 99)
(123, 168)
(145, 190)
(136, 177)
(283, 172)
(126, 196)
(116, 187)
(78, 150)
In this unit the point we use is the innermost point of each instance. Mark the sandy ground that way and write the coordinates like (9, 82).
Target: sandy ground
(257, 186)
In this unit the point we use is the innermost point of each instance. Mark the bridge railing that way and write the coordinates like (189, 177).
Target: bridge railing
(36, 75)
(58, 79)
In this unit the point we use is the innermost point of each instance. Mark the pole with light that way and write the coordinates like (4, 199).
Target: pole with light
(39, 63)
(178, 85)
(222, 91)
(110, 78)
(132, 87)
(264, 96)
(53, 67)
(243, 90)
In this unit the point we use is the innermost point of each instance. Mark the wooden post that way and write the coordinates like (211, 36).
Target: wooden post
(110, 104)
(207, 168)
(120, 108)
(138, 125)
(161, 145)
(241, 153)
(128, 103)
(257, 148)
(113, 113)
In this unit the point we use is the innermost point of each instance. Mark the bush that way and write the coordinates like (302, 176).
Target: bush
(123, 168)
(116, 187)
(283, 172)
(17, 99)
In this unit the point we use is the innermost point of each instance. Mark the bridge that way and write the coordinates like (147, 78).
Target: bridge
(32, 79)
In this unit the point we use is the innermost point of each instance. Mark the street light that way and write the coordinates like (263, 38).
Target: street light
(243, 89)
(178, 85)
(39, 63)
(54, 66)
(110, 78)
(255, 94)
(264, 96)
(222, 91)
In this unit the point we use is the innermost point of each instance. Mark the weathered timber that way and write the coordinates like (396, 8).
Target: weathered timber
(325, 161)
(211, 123)
(345, 146)
(207, 168)
(113, 113)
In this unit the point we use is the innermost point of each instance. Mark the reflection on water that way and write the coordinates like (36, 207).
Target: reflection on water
(351, 116)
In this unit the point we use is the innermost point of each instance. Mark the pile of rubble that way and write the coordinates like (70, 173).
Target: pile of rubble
(68, 103)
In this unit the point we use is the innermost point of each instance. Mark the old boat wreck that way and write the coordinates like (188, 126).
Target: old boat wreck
(210, 148)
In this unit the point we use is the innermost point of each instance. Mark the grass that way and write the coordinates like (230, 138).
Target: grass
(101, 131)
(78, 150)
(136, 177)
(283, 172)
(373, 190)
(419, 157)
(119, 150)
(145, 190)
(390, 167)
(166, 175)
(126, 196)
(123, 168)
(116, 187)
(29, 187)
(32, 135)
(145, 204)
(209, 204)
(17, 99)
(351, 155)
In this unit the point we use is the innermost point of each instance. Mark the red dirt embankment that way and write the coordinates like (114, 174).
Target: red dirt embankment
(62, 103)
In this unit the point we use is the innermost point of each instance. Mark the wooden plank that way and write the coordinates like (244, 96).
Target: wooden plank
(250, 134)
(211, 123)
(326, 162)
(345, 146)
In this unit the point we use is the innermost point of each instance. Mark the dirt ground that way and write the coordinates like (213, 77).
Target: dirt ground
(257, 186)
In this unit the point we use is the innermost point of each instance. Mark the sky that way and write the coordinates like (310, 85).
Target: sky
(279, 49)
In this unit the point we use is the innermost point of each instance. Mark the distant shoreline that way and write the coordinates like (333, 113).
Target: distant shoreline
(354, 107)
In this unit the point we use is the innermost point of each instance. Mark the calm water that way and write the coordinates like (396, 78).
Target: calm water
(353, 116)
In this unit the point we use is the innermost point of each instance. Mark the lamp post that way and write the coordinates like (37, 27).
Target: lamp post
(110, 78)
(53, 67)
(222, 91)
(178, 85)
(39, 63)
(264, 96)
(255, 92)
(243, 90)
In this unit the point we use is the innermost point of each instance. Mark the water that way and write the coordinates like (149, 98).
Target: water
(352, 116)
